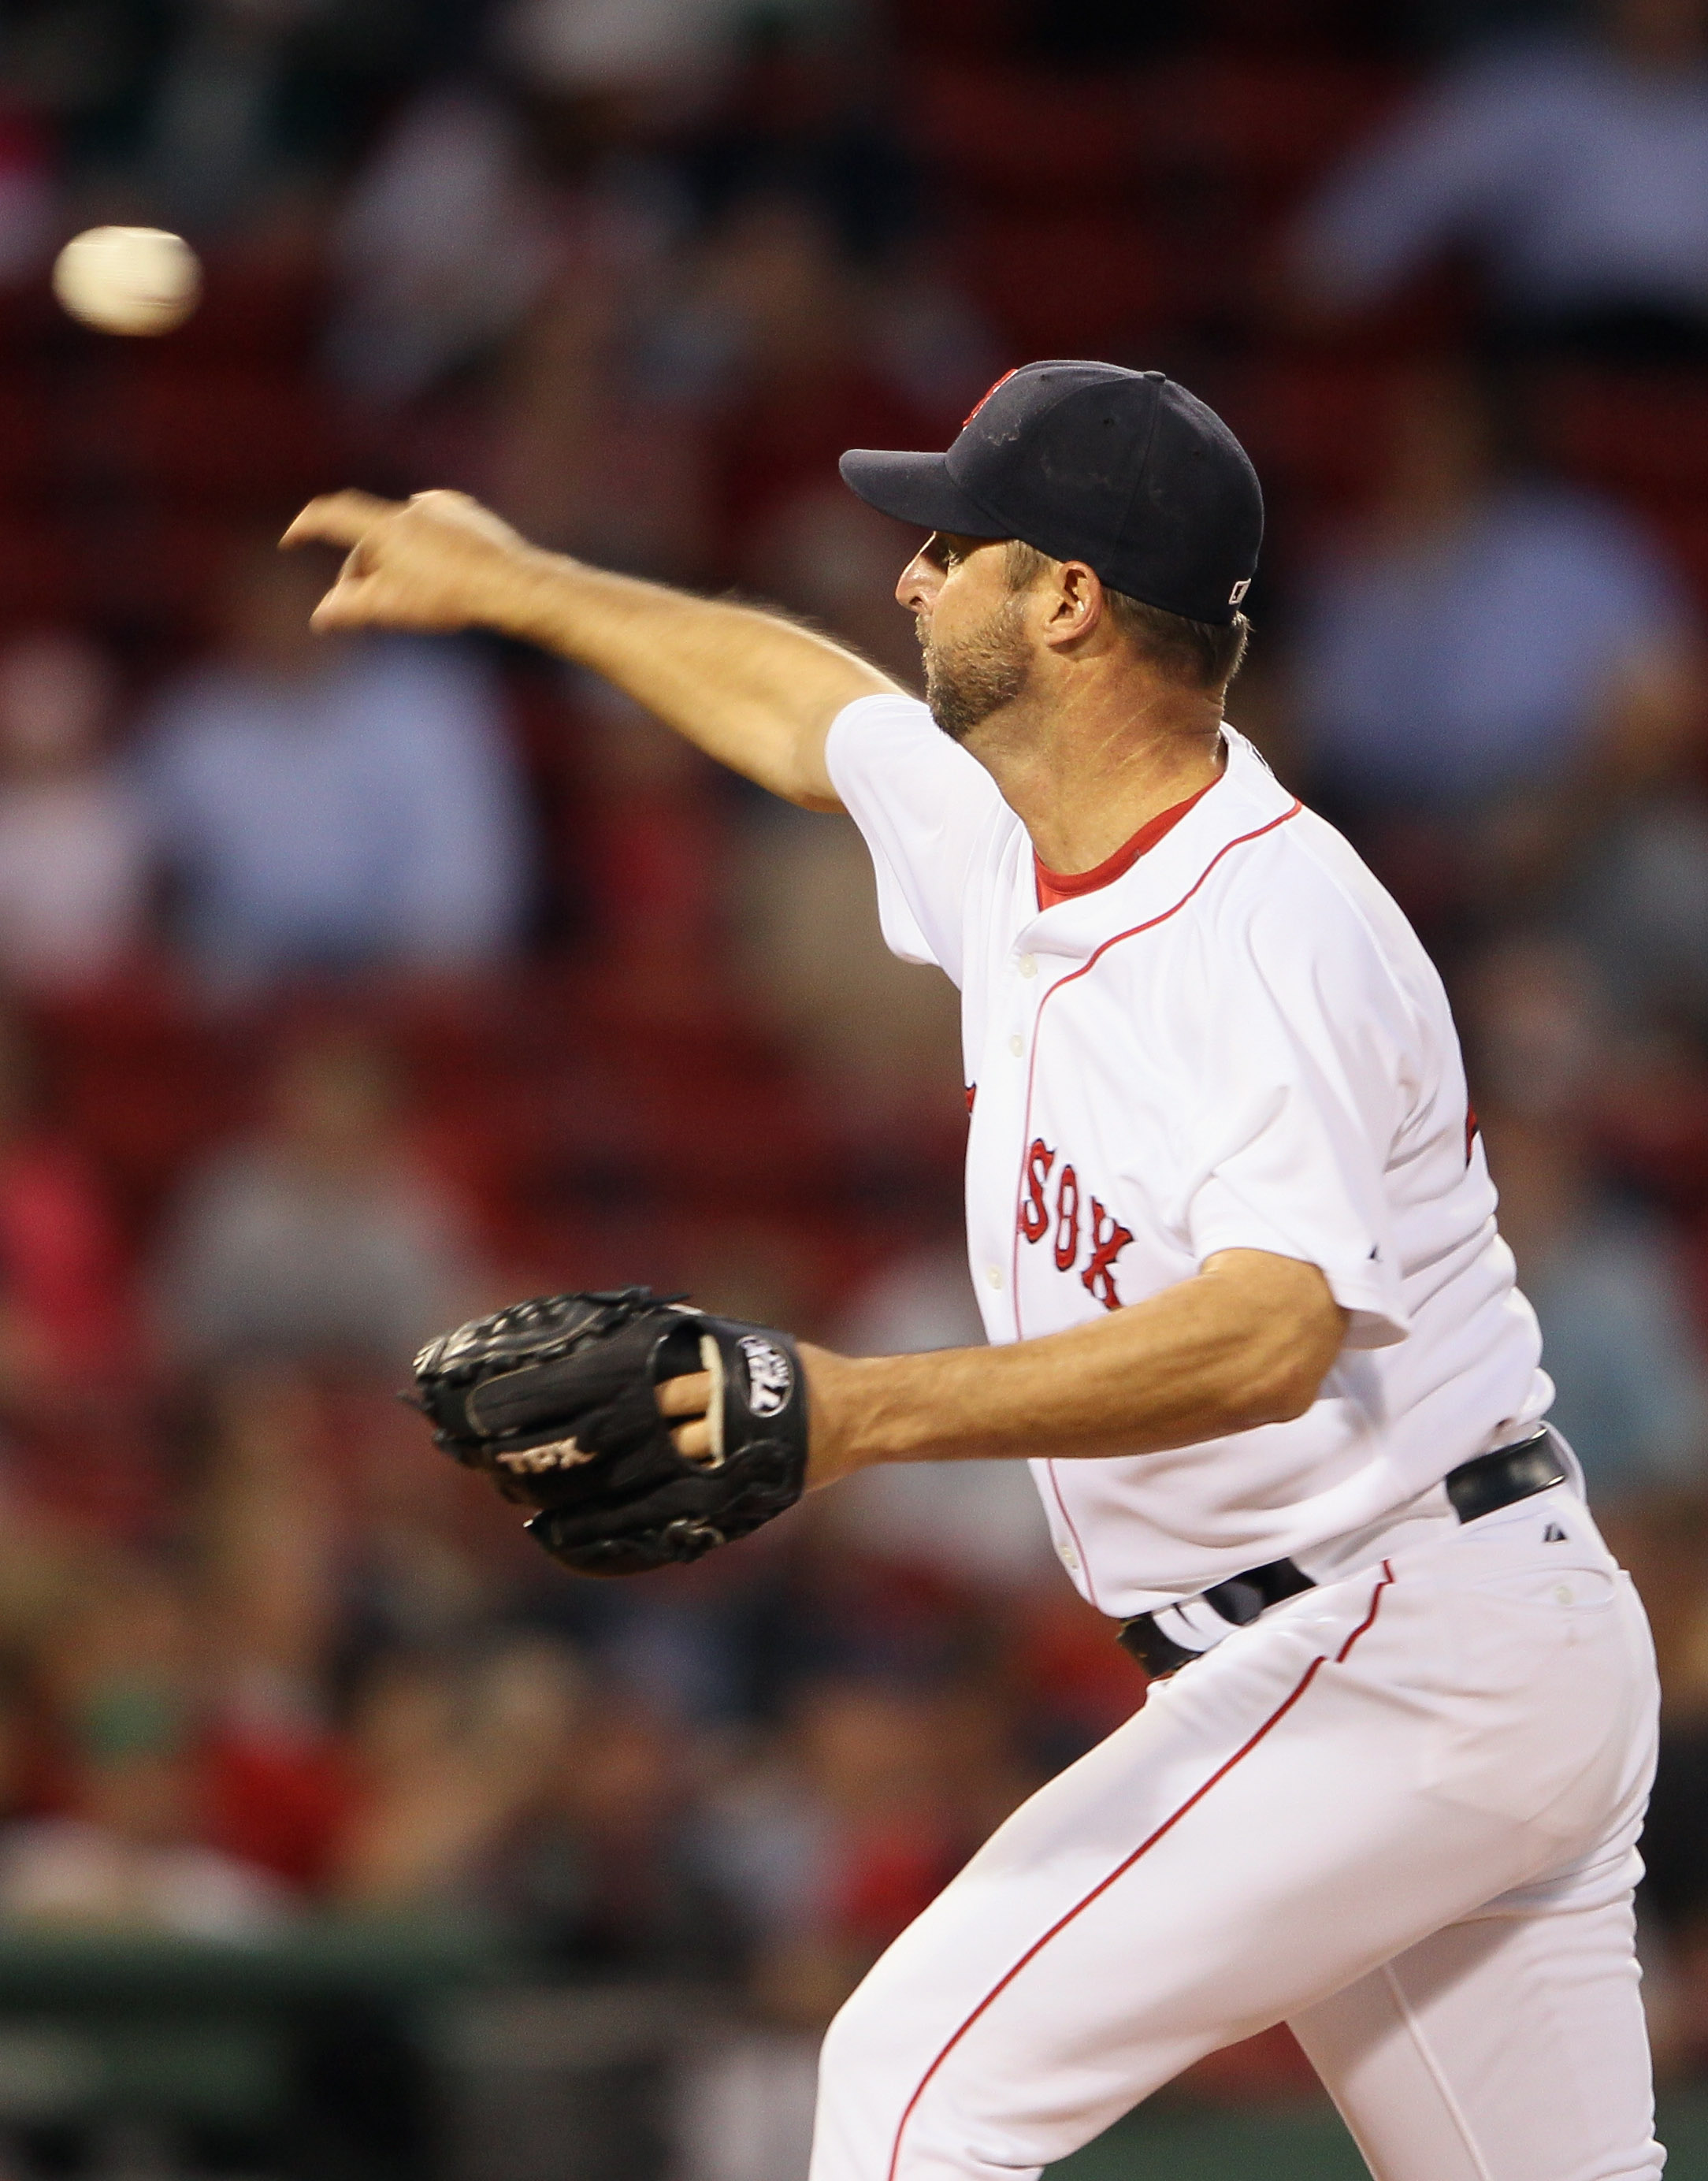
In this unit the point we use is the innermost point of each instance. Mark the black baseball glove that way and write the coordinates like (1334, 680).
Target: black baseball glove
(555, 1400)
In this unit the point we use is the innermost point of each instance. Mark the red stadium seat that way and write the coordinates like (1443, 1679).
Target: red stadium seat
(30, 322)
(146, 571)
(1682, 529)
(38, 570)
(1272, 122)
(956, 27)
(1063, 285)
(1259, 127)
(26, 434)
(144, 1084)
(1010, 132)
(255, 309)
(1316, 424)
(1644, 435)
(250, 440)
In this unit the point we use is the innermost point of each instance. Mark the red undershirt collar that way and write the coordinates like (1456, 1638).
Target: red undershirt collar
(1053, 887)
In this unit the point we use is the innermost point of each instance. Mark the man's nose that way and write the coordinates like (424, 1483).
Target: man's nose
(918, 586)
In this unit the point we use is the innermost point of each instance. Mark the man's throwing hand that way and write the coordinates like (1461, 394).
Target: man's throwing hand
(438, 561)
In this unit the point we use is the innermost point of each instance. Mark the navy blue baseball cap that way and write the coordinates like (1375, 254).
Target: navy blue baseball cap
(1123, 470)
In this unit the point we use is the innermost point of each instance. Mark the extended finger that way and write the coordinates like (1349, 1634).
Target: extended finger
(690, 1396)
(345, 606)
(338, 518)
(693, 1441)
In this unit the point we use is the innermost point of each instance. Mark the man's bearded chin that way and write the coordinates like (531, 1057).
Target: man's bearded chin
(966, 683)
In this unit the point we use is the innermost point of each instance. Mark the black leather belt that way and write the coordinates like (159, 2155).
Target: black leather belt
(1478, 1487)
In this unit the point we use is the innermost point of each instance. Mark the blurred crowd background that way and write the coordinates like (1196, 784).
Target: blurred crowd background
(348, 988)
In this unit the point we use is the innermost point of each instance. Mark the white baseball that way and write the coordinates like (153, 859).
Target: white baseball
(128, 279)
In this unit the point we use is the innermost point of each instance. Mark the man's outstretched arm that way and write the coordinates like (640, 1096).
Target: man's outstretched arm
(1249, 1340)
(751, 689)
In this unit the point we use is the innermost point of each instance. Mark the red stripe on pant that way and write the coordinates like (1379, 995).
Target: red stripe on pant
(1143, 1849)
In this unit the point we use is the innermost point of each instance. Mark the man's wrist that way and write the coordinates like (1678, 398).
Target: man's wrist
(524, 596)
(865, 1410)
(833, 1417)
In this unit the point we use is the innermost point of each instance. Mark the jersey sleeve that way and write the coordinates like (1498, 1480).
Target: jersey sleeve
(1305, 1055)
(925, 809)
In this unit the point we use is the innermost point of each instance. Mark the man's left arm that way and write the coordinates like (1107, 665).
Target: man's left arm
(1248, 1340)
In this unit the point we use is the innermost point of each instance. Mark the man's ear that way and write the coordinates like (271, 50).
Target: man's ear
(1076, 604)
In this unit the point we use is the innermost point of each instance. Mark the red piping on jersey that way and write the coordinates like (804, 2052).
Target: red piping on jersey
(1088, 964)
(1143, 1849)
(1055, 1487)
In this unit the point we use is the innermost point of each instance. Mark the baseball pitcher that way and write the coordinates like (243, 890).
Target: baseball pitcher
(1252, 1325)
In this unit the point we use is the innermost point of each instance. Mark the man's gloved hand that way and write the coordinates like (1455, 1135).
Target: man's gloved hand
(556, 1399)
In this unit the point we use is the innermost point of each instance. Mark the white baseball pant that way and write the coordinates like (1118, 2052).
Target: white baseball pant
(1398, 1812)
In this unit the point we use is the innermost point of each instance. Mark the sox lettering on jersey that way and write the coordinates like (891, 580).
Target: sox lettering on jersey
(1067, 1220)
(1033, 1216)
(1107, 1236)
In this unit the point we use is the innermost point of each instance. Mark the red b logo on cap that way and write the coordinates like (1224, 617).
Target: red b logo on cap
(985, 396)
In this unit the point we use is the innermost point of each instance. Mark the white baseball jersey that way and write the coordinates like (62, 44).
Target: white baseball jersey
(1237, 1043)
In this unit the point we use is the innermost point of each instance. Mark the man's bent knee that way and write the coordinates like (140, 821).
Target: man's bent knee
(889, 2112)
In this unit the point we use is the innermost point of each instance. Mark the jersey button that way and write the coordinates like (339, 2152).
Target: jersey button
(1016, 1045)
(1028, 965)
(1070, 1559)
(993, 1274)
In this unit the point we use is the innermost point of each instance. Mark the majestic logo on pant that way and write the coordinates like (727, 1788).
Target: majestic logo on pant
(1071, 1224)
